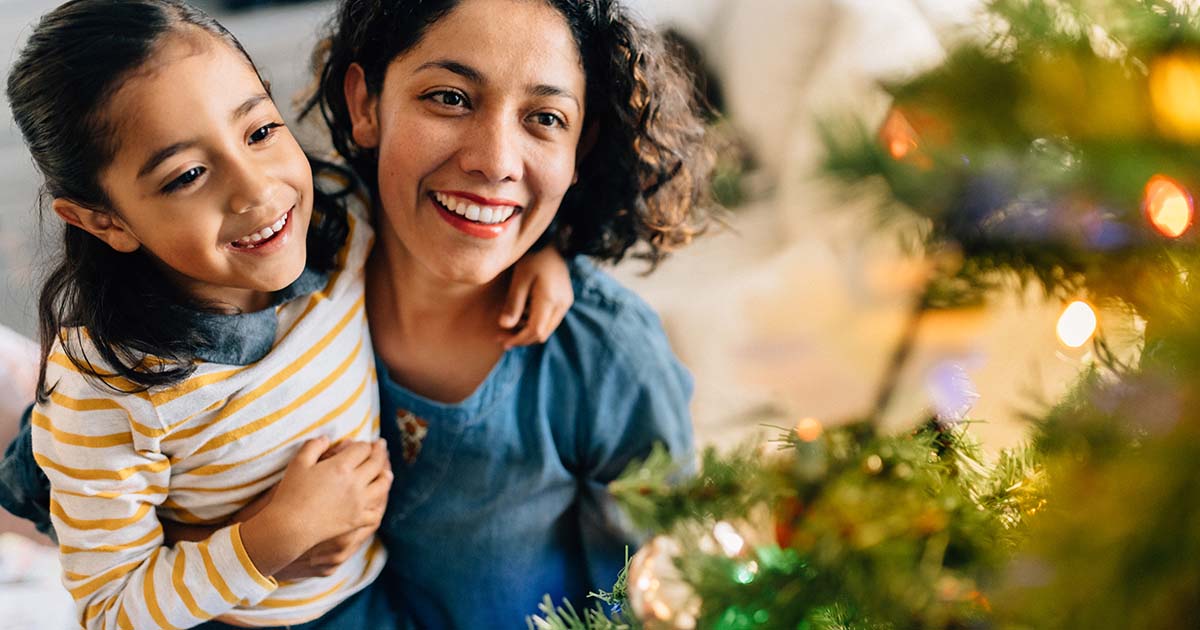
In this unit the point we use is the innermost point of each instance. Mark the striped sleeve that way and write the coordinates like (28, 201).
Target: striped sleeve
(107, 480)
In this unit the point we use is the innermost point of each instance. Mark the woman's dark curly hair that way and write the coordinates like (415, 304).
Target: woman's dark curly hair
(646, 178)
(76, 57)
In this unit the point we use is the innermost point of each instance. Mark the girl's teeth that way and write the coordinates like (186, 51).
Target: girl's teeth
(473, 213)
(264, 233)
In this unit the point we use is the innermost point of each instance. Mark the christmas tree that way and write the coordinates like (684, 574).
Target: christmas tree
(1060, 150)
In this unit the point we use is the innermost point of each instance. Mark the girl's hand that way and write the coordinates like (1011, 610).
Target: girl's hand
(541, 290)
(319, 561)
(319, 499)
(324, 559)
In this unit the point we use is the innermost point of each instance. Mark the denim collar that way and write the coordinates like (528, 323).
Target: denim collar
(243, 338)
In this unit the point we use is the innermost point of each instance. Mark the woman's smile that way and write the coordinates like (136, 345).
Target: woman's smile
(477, 145)
(474, 215)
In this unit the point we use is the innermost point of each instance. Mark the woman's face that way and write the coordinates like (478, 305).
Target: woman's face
(476, 129)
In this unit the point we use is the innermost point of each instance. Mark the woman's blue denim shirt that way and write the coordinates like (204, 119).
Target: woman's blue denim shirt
(501, 499)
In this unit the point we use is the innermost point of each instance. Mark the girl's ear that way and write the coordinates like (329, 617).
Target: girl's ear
(103, 225)
(364, 117)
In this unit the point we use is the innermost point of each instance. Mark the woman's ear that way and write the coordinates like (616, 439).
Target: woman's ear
(587, 142)
(364, 117)
(103, 225)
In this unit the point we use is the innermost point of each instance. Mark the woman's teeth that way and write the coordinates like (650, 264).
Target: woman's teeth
(473, 211)
(252, 240)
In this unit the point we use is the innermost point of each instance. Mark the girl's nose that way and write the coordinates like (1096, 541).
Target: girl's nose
(492, 150)
(251, 186)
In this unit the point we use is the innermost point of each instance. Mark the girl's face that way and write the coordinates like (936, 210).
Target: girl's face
(205, 176)
(476, 129)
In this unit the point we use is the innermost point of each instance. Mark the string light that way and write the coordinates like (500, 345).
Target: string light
(1175, 95)
(1077, 324)
(1168, 206)
(898, 135)
(809, 429)
(731, 542)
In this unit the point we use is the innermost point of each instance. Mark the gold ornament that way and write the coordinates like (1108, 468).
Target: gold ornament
(658, 594)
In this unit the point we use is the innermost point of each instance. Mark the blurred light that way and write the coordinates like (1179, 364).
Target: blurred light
(898, 135)
(661, 610)
(731, 542)
(1077, 324)
(1175, 95)
(874, 464)
(809, 429)
(1168, 206)
(644, 582)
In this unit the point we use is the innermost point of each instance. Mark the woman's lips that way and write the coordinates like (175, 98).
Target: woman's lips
(486, 225)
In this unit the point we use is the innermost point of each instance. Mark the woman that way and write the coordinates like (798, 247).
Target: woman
(567, 115)
(566, 118)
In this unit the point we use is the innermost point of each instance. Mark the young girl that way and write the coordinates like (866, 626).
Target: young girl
(205, 320)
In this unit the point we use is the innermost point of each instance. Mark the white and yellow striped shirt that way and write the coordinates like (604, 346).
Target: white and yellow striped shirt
(198, 451)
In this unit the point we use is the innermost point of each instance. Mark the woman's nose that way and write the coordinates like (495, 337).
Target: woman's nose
(492, 150)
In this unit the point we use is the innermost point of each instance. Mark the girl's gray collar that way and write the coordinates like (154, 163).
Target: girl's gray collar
(243, 338)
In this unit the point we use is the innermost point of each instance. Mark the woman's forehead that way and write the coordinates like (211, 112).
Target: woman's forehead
(503, 39)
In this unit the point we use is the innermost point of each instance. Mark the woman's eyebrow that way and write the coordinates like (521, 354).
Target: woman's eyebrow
(462, 70)
(476, 77)
(553, 90)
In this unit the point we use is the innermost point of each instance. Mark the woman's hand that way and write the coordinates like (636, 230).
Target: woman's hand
(541, 290)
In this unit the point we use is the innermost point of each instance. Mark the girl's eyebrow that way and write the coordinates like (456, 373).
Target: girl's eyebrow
(166, 152)
(162, 154)
(248, 105)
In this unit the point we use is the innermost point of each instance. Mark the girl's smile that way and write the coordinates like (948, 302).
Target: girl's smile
(267, 239)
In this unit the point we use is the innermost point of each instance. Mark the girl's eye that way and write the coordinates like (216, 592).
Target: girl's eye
(264, 132)
(183, 181)
(449, 98)
(546, 119)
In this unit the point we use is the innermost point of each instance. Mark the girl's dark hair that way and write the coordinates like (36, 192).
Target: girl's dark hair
(646, 177)
(76, 58)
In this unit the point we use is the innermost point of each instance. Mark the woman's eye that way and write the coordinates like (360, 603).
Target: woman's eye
(448, 98)
(546, 119)
(264, 132)
(184, 180)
